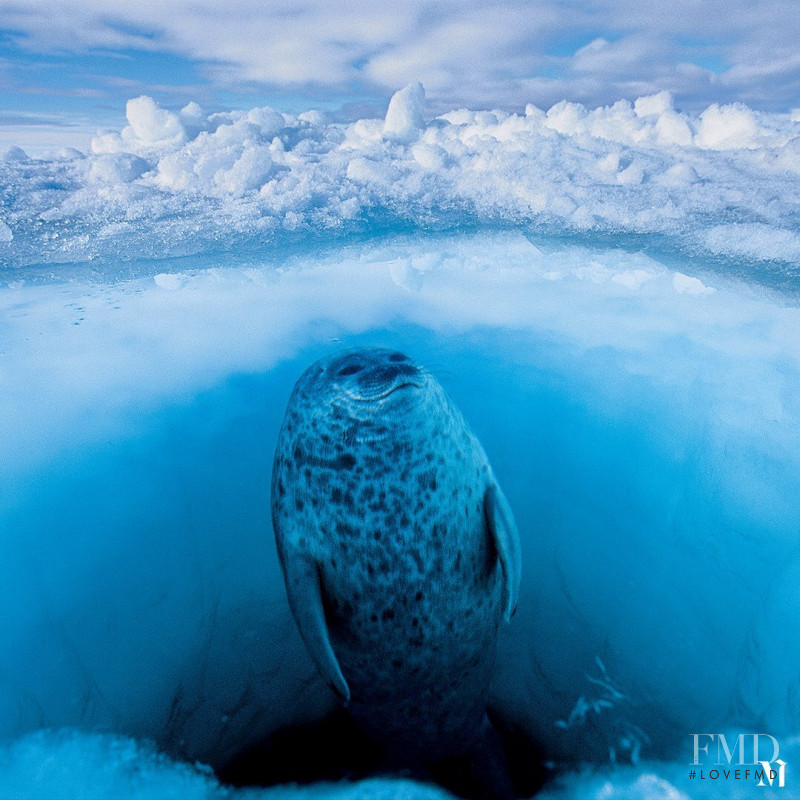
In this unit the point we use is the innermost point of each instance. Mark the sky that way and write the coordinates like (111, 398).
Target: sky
(67, 68)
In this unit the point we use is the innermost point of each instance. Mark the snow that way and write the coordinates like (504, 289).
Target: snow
(727, 128)
(177, 183)
(151, 125)
(66, 765)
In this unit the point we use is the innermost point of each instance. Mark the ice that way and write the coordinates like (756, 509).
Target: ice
(67, 765)
(685, 284)
(727, 128)
(642, 425)
(179, 183)
(654, 105)
(754, 241)
(149, 124)
(608, 294)
(13, 153)
(404, 120)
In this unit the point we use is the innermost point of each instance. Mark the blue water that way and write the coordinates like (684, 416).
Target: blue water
(642, 421)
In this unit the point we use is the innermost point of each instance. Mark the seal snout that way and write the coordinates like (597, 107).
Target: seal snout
(389, 373)
(375, 374)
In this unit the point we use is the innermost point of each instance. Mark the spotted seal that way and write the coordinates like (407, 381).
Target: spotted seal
(399, 551)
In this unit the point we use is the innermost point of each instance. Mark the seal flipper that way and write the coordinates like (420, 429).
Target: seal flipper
(305, 599)
(503, 530)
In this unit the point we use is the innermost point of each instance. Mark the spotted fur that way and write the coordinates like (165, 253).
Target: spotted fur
(386, 516)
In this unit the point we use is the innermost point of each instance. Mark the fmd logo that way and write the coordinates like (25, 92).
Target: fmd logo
(715, 750)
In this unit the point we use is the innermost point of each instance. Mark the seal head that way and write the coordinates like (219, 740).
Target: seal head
(399, 551)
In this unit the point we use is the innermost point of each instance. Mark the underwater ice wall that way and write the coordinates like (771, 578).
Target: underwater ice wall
(642, 422)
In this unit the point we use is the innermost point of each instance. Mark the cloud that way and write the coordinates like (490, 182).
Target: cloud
(466, 53)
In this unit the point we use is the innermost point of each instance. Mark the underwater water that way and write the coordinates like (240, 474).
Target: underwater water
(633, 375)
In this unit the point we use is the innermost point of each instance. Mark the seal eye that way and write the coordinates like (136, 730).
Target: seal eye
(350, 370)
(398, 357)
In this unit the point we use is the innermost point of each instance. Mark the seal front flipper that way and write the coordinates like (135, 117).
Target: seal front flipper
(503, 531)
(305, 599)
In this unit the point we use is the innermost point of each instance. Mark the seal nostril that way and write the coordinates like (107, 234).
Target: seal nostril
(352, 369)
(398, 357)
(386, 374)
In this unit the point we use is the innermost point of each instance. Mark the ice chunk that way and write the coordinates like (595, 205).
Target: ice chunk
(114, 168)
(232, 160)
(654, 104)
(6, 234)
(755, 241)
(679, 175)
(13, 153)
(151, 124)
(672, 128)
(404, 117)
(69, 154)
(727, 127)
(313, 117)
(566, 117)
(67, 765)
(270, 122)
(686, 284)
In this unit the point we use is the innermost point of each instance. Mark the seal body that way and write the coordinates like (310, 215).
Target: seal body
(399, 552)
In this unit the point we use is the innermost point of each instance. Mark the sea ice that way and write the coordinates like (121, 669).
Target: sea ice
(177, 183)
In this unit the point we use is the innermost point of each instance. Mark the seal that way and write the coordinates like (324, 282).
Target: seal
(399, 551)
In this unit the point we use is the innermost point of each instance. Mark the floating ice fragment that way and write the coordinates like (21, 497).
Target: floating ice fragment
(430, 157)
(192, 111)
(534, 112)
(404, 119)
(405, 275)
(6, 235)
(685, 284)
(169, 281)
(69, 154)
(633, 279)
(67, 764)
(193, 119)
(231, 160)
